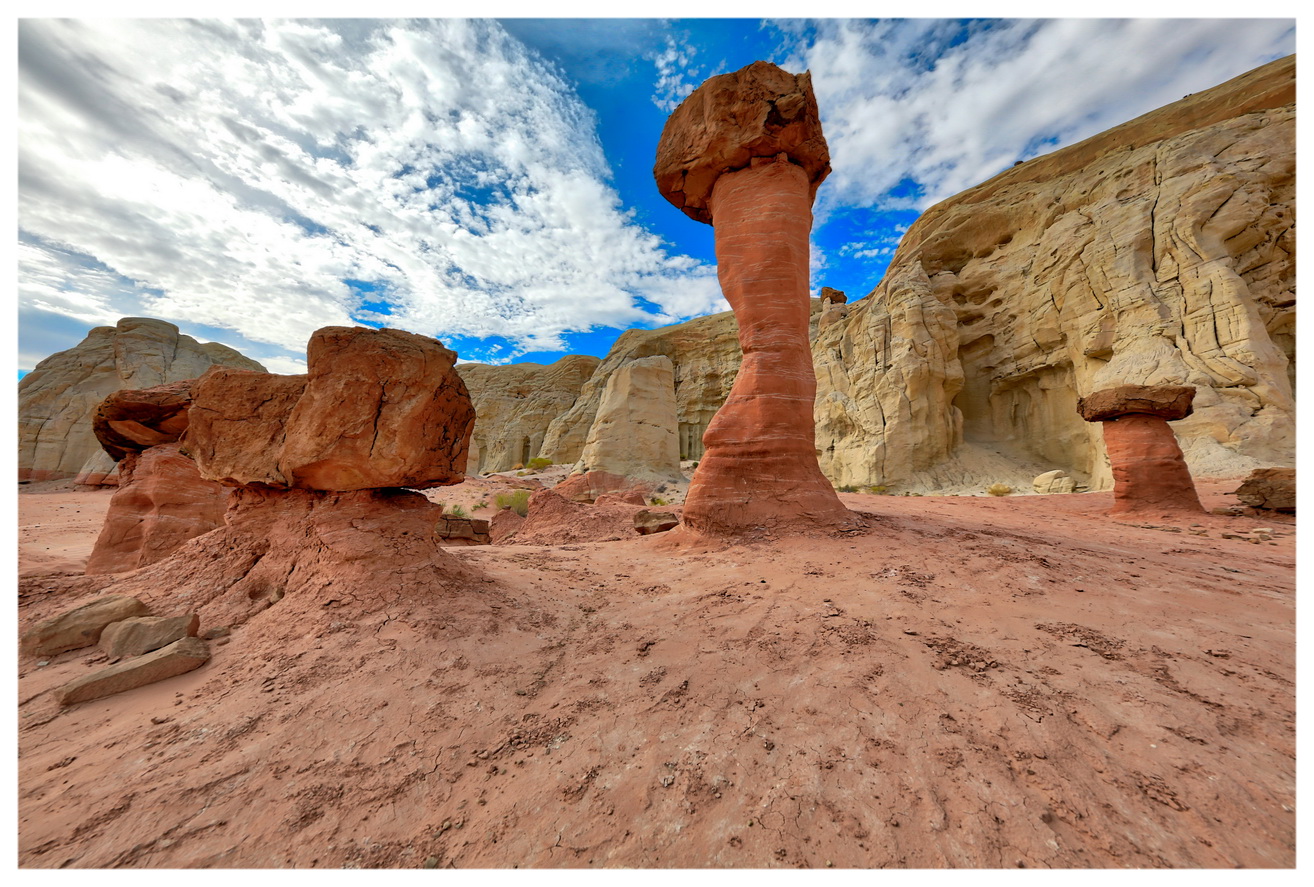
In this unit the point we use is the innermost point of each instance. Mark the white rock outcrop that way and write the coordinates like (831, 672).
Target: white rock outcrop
(634, 433)
(56, 400)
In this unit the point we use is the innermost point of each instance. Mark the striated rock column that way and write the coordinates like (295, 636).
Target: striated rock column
(1149, 472)
(745, 153)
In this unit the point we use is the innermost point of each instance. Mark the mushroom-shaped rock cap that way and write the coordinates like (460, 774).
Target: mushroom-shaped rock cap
(757, 111)
(132, 420)
(1165, 401)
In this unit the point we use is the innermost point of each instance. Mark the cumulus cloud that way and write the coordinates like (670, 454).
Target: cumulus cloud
(918, 110)
(270, 178)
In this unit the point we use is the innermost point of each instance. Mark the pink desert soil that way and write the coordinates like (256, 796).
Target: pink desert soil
(1022, 681)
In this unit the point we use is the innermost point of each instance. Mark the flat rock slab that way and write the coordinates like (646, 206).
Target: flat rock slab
(81, 626)
(180, 657)
(133, 637)
(1170, 402)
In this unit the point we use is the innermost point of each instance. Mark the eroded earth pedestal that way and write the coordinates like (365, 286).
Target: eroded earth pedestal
(1149, 471)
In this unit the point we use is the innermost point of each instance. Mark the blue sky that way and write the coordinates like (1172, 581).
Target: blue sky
(489, 183)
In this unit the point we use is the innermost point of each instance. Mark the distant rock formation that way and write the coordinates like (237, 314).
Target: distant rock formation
(745, 153)
(704, 355)
(1159, 252)
(515, 403)
(56, 400)
(635, 432)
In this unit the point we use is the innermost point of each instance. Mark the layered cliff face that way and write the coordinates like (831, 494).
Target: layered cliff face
(1159, 252)
(514, 405)
(705, 355)
(57, 399)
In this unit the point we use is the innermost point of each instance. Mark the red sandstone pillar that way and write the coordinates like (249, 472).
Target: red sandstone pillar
(745, 153)
(1149, 471)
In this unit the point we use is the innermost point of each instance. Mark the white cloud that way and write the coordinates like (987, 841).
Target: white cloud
(235, 174)
(676, 74)
(948, 105)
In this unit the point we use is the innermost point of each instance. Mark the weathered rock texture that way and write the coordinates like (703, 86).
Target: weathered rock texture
(377, 408)
(180, 657)
(1159, 252)
(705, 356)
(81, 626)
(515, 403)
(757, 111)
(57, 399)
(745, 153)
(162, 501)
(363, 547)
(556, 520)
(1149, 473)
(1271, 488)
(635, 433)
(142, 634)
(1168, 402)
(133, 420)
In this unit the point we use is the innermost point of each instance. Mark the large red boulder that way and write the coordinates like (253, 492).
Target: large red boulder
(377, 409)
(237, 424)
(162, 501)
(757, 111)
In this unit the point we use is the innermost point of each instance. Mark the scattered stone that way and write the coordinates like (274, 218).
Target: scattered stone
(178, 658)
(81, 626)
(1273, 489)
(142, 634)
(649, 522)
(462, 530)
(1056, 481)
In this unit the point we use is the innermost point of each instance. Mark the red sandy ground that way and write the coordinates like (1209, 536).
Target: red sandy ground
(972, 682)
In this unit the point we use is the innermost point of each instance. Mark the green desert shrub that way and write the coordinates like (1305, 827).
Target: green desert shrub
(455, 511)
(538, 463)
(999, 489)
(848, 488)
(517, 501)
